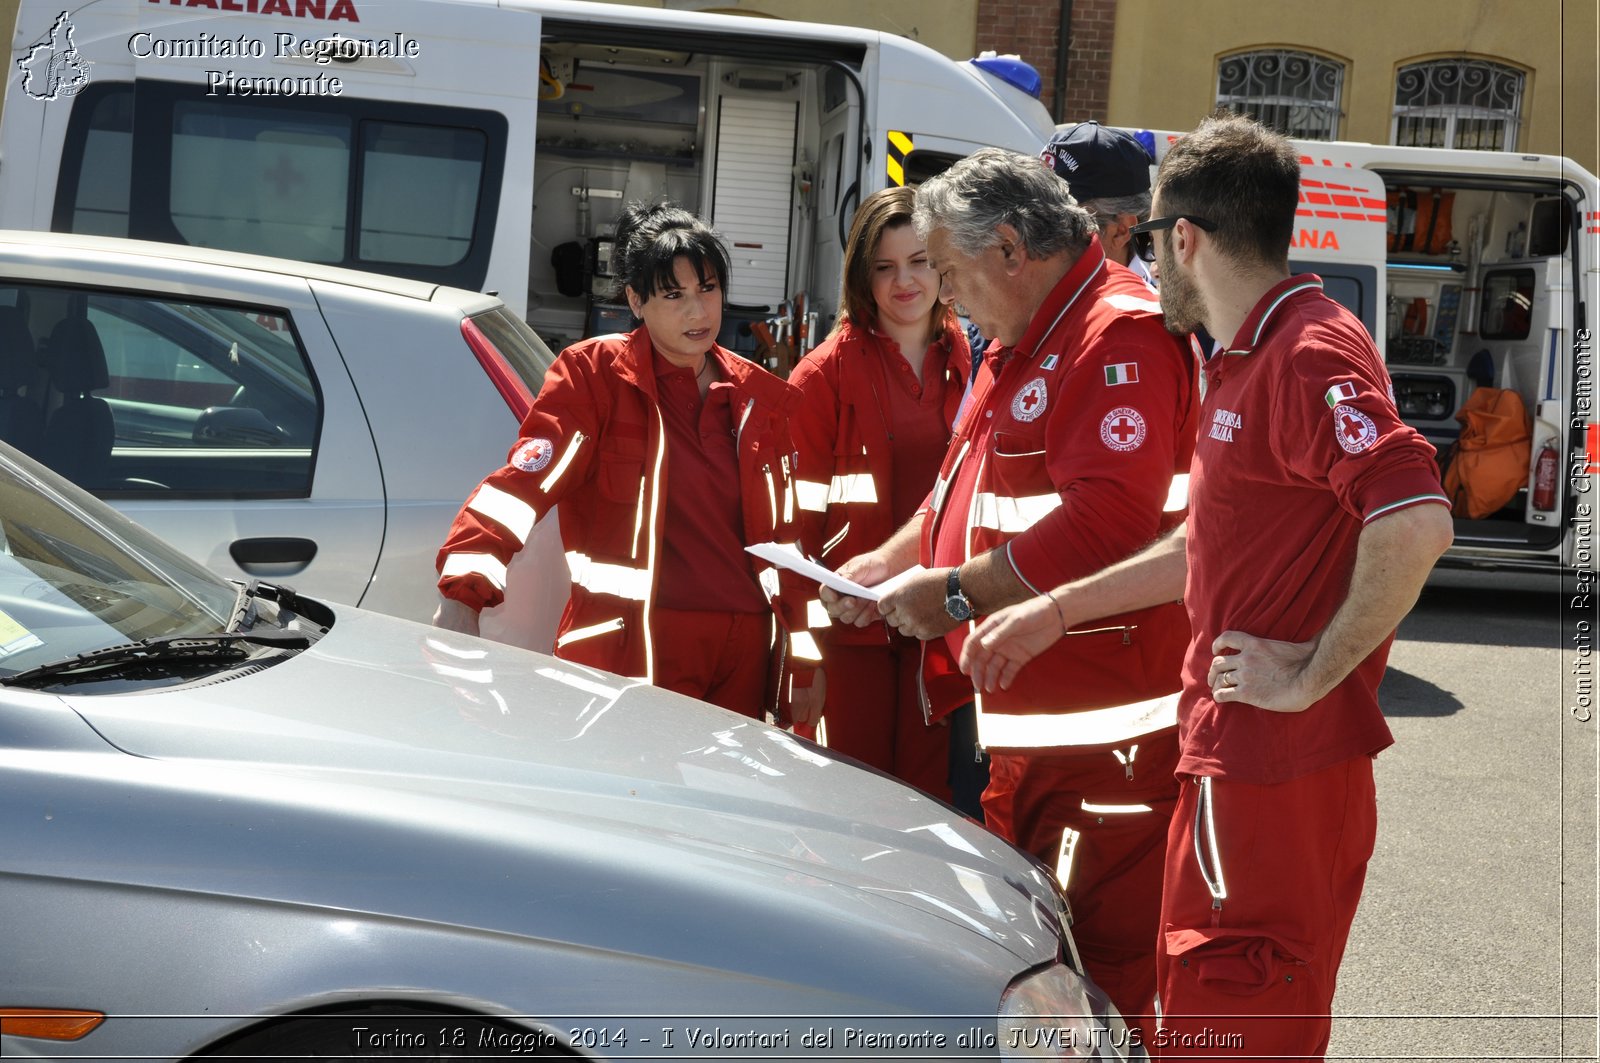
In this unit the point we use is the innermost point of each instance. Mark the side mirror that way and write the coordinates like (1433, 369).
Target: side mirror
(239, 426)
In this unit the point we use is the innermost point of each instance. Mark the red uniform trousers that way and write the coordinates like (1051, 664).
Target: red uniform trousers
(874, 713)
(1251, 974)
(722, 658)
(1112, 874)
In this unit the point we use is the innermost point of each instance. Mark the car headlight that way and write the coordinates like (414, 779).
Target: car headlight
(1055, 1013)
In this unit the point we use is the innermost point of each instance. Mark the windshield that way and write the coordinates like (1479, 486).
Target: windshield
(76, 576)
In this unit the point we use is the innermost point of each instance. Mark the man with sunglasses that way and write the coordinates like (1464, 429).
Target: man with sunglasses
(1316, 515)
(1078, 428)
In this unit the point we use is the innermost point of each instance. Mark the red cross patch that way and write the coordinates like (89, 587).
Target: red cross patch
(1353, 429)
(533, 455)
(1122, 429)
(1030, 401)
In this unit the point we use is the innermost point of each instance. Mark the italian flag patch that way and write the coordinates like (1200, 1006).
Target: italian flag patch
(1339, 393)
(1126, 373)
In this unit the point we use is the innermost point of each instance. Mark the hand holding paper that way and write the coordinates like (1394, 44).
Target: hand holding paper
(787, 556)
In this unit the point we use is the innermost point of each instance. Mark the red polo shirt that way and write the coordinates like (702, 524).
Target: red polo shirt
(703, 561)
(1300, 446)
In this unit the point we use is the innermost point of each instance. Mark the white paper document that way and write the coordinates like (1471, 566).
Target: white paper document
(788, 557)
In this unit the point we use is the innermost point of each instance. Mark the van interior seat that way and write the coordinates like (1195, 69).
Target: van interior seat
(80, 431)
(21, 418)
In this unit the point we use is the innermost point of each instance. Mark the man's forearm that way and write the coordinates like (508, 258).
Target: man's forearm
(1153, 576)
(1394, 555)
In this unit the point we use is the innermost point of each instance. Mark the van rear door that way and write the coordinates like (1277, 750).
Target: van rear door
(395, 137)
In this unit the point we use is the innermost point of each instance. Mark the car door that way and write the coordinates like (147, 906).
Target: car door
(217, 414)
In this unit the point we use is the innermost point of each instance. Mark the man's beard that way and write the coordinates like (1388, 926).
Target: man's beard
(1181, 304)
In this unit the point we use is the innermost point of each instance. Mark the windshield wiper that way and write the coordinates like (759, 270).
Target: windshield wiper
(160, 651)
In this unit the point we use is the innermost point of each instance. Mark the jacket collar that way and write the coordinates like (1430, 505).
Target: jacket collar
(635, 364)
(1065, 295)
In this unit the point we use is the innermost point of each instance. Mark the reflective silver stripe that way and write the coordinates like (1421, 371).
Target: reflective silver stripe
(827, 547)
(940, 486)
(1112, 810)
(655, 526)
(1069, 848)
(581, 633)
(1121, 301)
(638, 520)
(1177, 494)
(813, 496)
(1013, 515)
(772, 496)
(561, 466)
(505, 509)
(598, 577)
(853, 487)
(488, 566)
(803, 646)
(768, 578)
(1092, 727)
(1210, 870)
(817, 614)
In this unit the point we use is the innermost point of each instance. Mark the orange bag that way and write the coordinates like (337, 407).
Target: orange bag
(1489, 462)
(1419, 221)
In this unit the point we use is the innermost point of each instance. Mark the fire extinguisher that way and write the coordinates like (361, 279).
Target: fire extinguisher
(1544, 479)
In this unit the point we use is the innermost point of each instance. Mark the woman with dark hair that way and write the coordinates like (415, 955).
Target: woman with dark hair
(880, 394)
(668, 455)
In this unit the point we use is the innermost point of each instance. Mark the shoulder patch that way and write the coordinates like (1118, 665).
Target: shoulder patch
(1122, 373)
(1122, 429)
(1353, 429)
(533, 455)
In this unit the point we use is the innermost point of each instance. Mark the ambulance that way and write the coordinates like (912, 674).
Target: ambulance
(488, 145)
(1472, 269)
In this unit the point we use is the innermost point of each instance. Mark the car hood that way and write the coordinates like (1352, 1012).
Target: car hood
(499, 755)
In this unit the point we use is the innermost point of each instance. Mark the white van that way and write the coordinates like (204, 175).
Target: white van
(486, 145)
(1445, 254)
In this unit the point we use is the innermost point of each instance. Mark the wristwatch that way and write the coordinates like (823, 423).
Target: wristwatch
(958, 605)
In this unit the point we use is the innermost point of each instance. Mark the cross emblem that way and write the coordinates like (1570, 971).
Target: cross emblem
(1353, 427)
(1123, 429)
(1030, 400)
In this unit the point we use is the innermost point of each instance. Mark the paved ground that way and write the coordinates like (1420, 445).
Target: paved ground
(1477, 932)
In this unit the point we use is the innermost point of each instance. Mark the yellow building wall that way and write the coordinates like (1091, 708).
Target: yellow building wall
(1553, 40)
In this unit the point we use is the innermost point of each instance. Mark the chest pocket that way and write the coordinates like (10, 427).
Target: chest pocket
(1021, 491)
(620, 468)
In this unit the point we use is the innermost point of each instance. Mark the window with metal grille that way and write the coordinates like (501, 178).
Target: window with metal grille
(1296, 93)
(1458, 103)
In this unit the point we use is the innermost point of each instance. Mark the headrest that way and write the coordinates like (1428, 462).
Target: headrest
(18, 360)
(77, 361)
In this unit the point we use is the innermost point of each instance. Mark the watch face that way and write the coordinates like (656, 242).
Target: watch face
(958, 607)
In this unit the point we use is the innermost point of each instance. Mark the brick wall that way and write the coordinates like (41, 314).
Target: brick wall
(1030, 29)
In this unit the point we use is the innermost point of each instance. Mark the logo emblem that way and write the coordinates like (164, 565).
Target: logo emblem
(1122, 429)
(1353, 429)
(53, 69)
(533, 455)
(1030, 401)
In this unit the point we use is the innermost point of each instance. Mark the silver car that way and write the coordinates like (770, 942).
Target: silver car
(238, 821)
(271, 419)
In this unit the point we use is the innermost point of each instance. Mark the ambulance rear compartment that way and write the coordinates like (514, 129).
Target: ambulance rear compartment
(751, 145)
(1480, 286)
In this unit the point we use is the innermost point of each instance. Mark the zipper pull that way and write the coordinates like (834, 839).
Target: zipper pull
(1126, 761)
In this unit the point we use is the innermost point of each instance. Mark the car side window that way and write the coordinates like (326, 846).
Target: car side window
(132, 394)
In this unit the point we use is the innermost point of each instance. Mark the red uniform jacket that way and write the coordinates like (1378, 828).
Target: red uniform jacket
(846, 460)
(594, 442)
(1078, 443)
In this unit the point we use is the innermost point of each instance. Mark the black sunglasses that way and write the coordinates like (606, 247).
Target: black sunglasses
(1144, 245)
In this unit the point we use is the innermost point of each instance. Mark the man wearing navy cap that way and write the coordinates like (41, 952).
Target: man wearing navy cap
(1108, 173)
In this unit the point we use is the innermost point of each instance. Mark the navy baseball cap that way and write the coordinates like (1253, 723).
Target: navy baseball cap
(1097, 162)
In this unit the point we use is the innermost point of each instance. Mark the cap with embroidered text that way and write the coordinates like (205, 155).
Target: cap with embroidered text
(1097, 162)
